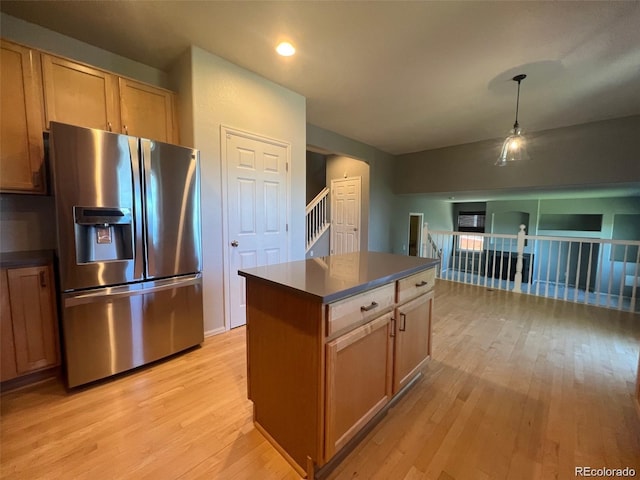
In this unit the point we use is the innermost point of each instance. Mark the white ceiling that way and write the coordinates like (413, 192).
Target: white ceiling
(401, 76)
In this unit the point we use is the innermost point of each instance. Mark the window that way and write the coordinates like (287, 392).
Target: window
(472, 222)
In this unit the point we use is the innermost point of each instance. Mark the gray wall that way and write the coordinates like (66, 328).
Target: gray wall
(381, 167)
(591, 154)
(440, 214)
(316, 174)
(437, 213)
(224, 94)
(608, 207)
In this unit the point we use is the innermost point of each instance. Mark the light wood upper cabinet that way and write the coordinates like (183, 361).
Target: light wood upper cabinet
(33, 319)
(89, 97)
(21, 122)
(147, 111)
(80, 95)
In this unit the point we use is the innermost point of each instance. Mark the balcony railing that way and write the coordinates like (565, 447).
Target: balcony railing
(599, 272)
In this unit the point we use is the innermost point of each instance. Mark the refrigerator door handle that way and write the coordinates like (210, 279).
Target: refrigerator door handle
(149, 220)
(138, 213)
(113, 293)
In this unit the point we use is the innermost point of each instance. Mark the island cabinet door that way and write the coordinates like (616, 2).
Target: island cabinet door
(412, 339)
(358, 378)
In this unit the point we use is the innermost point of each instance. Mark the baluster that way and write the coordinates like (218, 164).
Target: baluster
(517, 278)
(493, 263)
(635, 282)
(557, 282)
(501, 264)
(466, 265)
(566, 272)
(623, 277)
(537, 248)
(546, 293)
(586, 290)
(453, 256)
(600, 272)
(610, 283)
(486, 262)
(577, 280)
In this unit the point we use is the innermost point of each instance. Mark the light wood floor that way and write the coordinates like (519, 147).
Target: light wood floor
(519, 387)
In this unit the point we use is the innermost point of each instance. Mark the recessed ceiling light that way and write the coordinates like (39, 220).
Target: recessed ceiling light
(285, 49)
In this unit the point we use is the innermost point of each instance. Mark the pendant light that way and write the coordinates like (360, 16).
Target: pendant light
(514, 147)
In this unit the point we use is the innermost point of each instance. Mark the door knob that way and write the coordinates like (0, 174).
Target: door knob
(235, 243)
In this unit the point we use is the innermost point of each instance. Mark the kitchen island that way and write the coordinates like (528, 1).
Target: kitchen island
(331, 343)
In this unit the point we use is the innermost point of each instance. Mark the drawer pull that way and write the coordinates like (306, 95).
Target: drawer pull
(403, 326)
(370, 307)
(422, 284)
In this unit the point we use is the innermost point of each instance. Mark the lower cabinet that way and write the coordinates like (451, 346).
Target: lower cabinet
(29, 326)
(358, 366)
(319, 372)
(412, 339)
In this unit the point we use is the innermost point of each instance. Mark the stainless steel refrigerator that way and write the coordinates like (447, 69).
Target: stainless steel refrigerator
(129, 250)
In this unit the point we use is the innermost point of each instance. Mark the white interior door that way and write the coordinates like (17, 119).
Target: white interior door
(256, 211)
(345, 215)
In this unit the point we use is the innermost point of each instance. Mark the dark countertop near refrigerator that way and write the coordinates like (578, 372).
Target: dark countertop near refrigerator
(335, 277)
(26, 258)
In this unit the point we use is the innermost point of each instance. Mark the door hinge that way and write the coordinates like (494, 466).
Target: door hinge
(287, 166)
(286, 227)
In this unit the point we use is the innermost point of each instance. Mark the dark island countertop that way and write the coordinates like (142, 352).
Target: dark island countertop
(332, 278)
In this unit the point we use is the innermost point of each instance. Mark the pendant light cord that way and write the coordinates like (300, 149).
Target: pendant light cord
(518, 78)
(516, 125)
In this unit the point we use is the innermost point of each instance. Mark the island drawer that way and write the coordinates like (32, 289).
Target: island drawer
(416, 284)
(357, 308)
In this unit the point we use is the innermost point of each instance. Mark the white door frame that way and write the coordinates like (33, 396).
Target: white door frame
(420, 228)
(331, 234)
(225, 132)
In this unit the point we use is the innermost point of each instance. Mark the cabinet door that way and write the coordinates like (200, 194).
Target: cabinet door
(358, 379)
(7, 349)
(33, 316)
(80, 95)
(147, 111)
(412, 339)
(21, 122)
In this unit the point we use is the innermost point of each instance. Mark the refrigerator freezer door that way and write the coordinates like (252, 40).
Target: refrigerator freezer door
(97, 186)
(111, 330)
(172, 209)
